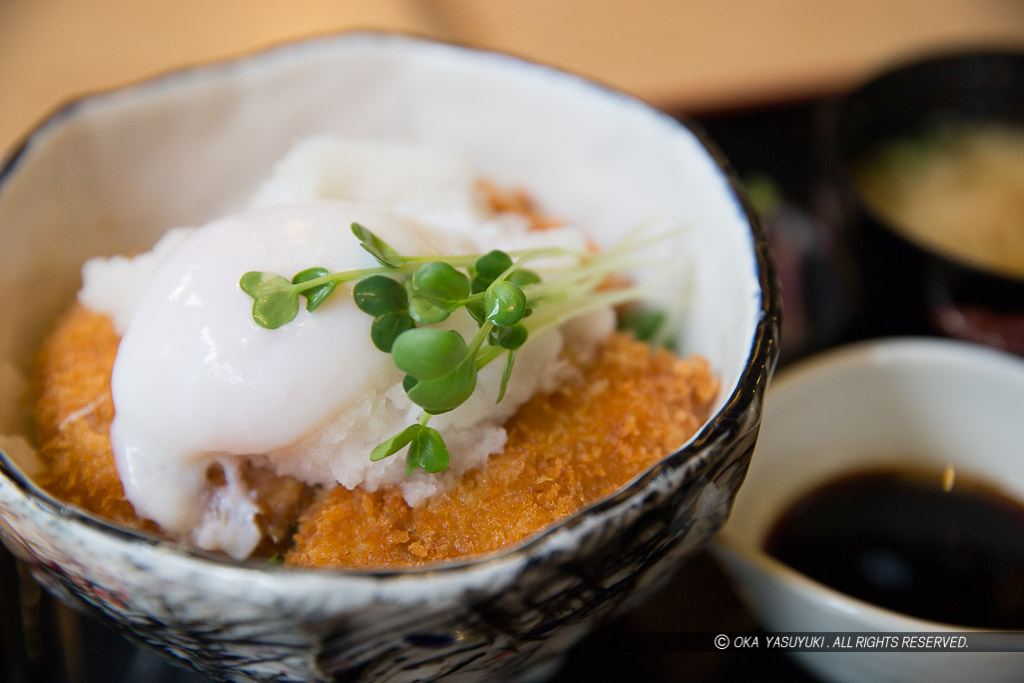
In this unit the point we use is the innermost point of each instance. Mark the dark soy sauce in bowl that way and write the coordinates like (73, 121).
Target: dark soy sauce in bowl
(928, 545)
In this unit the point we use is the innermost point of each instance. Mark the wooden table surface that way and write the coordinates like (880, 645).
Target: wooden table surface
(683, 54)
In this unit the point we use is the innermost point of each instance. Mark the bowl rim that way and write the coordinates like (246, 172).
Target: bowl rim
(844, 358)
(757, 369)
(901, 349)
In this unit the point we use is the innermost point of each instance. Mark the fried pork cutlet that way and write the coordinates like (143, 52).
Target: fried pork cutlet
(630, 406)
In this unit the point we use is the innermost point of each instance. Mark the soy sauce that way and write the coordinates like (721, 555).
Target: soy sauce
(913, 543)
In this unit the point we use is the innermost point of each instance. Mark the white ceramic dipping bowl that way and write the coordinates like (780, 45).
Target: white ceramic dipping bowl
(920, 402)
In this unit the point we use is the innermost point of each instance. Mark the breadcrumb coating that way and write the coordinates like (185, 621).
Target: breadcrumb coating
(515, 201)
(630, 406)
(73, 412)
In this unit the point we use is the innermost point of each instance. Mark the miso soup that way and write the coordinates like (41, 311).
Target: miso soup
(957, 189)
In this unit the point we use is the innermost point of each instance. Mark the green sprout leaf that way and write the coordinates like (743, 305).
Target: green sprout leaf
(273, 310)
(421, 310)
(428, 353)
(426, 313)
(441, 284)
(478, 284)
(257, 283)
(519, 276)
(508, 337)
(275, 301)
(644, 323)
(493, 264)
(488, 268)
(386, 328)
(523, 277)
(379, 295)
(476, 309)
(427, 451)
(395, 443)
(377, 248)
(447, 392)
(314, 295)
(506, 375)
(504, 303)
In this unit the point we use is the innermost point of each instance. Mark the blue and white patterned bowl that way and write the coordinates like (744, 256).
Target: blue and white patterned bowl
(109, 173)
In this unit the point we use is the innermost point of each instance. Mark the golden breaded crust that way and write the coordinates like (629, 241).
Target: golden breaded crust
(631, 407)
(73, 412)
(515, 201)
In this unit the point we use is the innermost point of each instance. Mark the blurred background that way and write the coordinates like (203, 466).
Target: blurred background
(755, 74)
(695, 56)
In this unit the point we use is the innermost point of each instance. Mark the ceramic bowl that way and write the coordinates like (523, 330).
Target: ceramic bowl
(927, 403)
(109, 173)
(910, 286)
